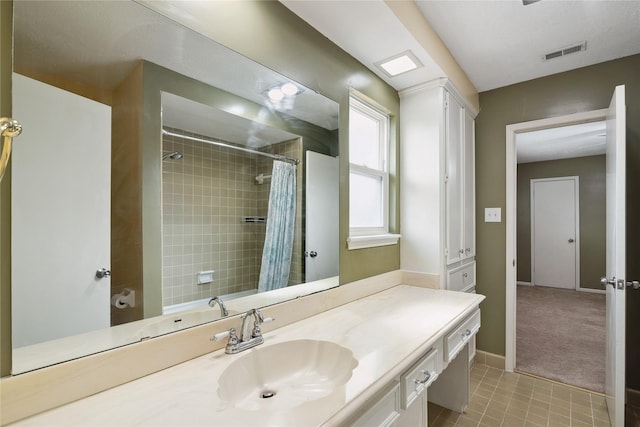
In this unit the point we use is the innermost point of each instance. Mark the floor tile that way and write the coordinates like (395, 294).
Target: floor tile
(506, 399)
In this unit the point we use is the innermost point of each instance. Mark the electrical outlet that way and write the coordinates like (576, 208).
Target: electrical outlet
(492, 214)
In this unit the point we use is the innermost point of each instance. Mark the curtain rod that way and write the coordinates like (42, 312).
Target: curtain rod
(235, 147)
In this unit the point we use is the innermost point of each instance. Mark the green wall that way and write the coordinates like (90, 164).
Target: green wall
(592, 197)
(584, 89)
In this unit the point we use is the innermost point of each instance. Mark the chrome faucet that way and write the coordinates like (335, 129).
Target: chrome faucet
(223, 310)
(250, 335)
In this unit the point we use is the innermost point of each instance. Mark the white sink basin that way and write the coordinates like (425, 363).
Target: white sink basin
(286, 375)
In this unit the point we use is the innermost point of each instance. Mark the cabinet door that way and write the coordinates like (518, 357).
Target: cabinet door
(454, 180)
(469, 205)
(416, 415)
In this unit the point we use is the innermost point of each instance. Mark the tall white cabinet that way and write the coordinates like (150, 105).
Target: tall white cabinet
(437, 178)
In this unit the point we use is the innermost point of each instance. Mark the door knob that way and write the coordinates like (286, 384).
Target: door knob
(313, 254)
(103, 272)
(604, 281)
(620, 283)
(571, 240)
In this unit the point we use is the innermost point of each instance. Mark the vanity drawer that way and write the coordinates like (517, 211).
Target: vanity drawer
(415, 381)
(462, 278)
(384, 412)
(455, 341)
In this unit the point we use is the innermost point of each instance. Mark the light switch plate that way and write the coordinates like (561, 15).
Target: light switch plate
(492, 214)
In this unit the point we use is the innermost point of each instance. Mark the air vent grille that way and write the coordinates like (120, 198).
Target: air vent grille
(566, 51)
(556, 54)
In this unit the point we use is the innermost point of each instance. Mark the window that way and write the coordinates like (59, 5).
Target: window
(368, 176)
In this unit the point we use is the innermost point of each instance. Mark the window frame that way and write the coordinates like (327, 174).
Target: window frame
(361, 237)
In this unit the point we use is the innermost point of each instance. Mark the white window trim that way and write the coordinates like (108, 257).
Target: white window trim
(384, 176)
(368, 237)
(372, 241)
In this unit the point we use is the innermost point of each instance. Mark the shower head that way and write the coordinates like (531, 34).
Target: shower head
(174, 155)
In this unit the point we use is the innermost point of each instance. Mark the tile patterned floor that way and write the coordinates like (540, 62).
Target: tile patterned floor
(507, 399)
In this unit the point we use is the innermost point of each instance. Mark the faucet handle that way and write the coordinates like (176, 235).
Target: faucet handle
(219, 336)
(256, 332)
(231, 333)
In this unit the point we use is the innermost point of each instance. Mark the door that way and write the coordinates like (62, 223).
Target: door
(554, 232)
(321, 211)
(469, 204)
(60, 224)
(454, 180)
(616, 257)
(322, 217)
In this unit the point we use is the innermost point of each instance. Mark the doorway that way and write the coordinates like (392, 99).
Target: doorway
(517, 263)
(560, 333)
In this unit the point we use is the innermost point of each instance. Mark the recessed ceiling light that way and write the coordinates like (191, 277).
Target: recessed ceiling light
(289, 89)
(285, 90)
(398, 64)
(275, 94)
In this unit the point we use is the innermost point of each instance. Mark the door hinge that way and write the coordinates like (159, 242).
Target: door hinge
(446, 252)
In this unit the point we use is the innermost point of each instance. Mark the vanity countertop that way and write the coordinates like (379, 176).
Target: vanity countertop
(386, 332)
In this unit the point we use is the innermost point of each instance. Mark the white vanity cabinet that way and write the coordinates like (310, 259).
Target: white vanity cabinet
(438, 181)
(384, 412)
(441, 375)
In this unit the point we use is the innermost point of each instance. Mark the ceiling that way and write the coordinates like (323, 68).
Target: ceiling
(586, 139)
(497, 43)
(182, 113)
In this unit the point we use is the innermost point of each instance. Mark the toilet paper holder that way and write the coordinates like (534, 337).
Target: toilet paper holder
(126, 298)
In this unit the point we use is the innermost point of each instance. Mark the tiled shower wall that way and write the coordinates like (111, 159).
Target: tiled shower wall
(205, 196)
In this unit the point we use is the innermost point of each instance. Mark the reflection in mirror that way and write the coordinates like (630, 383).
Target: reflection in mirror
(215, 203)
(86, 162)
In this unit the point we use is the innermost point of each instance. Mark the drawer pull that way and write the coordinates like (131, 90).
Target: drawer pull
(424, 380)
(466, 333)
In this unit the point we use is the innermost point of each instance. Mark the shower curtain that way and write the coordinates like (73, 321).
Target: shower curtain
(281, 216)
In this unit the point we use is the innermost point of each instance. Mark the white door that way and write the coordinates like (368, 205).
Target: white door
(60, 213)
(321, 212)
(554, 232)
(616, 257)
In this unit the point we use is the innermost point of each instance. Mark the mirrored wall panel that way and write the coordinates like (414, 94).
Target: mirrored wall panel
(156, 171)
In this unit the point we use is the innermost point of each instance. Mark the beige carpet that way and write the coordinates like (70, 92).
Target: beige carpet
(560, 335)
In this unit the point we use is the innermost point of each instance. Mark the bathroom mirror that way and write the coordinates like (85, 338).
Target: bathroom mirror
(183, 220)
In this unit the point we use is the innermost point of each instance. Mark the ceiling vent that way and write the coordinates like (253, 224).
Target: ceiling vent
(580, 47)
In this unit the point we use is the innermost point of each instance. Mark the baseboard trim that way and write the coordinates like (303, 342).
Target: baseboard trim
(518, 282)
(592, 291)
(489, 359)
